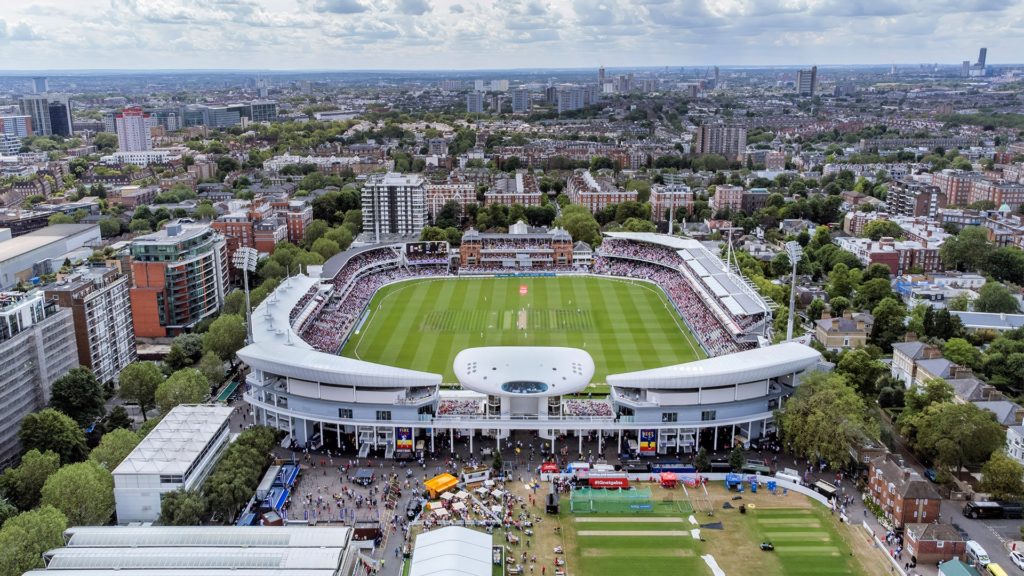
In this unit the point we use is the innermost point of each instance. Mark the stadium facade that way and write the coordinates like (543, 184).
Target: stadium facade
(299, 384)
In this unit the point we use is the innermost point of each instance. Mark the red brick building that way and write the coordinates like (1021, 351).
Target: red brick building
(905, 496)
(727, 196)
(930, 544)
(595, 193)
(775, 161)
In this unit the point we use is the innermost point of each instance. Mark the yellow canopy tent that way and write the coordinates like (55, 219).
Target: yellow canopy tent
(440, 484)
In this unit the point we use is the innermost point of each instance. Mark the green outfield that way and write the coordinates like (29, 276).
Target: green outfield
(423, 324)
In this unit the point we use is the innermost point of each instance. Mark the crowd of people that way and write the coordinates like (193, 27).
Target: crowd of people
(360, 261)
(459, 408)
(587, 408)
(519, 244)
(436, 258)
(627, 249)
(301, 304)
(705, 324)
(328, 331)
(519, 270)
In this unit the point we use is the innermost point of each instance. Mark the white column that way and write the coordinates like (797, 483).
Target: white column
(696, 441)
(471, 444)
(432, 432)
(733, 440)
(618, 446)
(579, 434)
(337, 428)
(716, 439)
(599, 434)
(451, 431)
(305, 434)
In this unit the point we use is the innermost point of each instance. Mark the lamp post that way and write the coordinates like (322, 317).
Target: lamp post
(795, 253)
(245, 258)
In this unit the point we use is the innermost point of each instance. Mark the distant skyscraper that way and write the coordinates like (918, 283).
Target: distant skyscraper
(551, 94)
(729, 141)
(807, 81)
(19, 126)
(965, 68)
(478, 85)
(499, 85)
(40, 85)
(978, 69)
(571, 99)
(451, 85)
(50, 113)
(475, 102)
(520, 100)
(981, 57)
(600, 75)
(133, 131)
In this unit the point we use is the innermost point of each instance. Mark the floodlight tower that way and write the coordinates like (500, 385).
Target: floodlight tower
(245, 258)
(795, 252)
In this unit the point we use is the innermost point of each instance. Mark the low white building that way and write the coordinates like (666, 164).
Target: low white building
(180, 451)
(140, 158)
(1015, 443)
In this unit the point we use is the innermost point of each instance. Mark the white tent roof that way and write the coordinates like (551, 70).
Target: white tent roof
(747, 366)
(561, 370)
(177, 441)
(452, 551)
(209, 558)
(206, 536)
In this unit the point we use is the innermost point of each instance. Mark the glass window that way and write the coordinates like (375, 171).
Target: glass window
(344, 413)
(383, 414)
(708, 415)
(669, 417)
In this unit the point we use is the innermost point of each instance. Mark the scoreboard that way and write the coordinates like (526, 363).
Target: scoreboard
(426, 248)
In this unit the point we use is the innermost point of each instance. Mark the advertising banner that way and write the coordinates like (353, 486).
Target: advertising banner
(648, 441)
(404, 438)
(522, 290)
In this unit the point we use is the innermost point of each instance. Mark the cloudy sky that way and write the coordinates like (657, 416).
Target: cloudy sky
(468, 34)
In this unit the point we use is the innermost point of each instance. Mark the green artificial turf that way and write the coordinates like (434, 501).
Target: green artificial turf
(423, 324)
(648, 555)
(805, 541)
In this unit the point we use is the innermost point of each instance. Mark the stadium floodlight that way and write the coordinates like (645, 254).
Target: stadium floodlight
(795, 253)
(245, 258)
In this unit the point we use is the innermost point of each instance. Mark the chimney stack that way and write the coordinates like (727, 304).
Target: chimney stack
(826, 314)
(835, 324)
(911, 337)
(848, 314)
(860, 325)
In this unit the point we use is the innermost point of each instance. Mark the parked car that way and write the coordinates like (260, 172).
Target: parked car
(963, 533)
(930, 474)
(1018, 559)
(413, 507)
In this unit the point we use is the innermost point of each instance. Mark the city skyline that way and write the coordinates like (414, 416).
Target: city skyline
(452, 35)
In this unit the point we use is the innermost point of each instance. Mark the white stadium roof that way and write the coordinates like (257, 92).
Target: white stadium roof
(452, 551)
(524, 370)
(315, 366)
(206, 536)
(177, 441)
(113, 559)
(746, 366)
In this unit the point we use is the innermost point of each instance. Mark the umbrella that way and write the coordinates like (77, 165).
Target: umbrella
(462, 495)
(441, 512)
(496, 493)
(447, 496)
(496, 509)
(458, 506)
(488, 483)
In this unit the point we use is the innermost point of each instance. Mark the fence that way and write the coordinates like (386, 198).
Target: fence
(585, 501)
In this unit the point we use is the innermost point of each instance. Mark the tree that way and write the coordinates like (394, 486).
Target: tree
(187, 386)
(314, 232)
(226, 336)
(234, 303)
(138, 383)
(959, 303)
(878, 229)
(79, 395)
(877, 270)
(191, 345)
(637, 225)
(83, 492)
(138, 225)
(955, 434)
(815, 309)
(872, 292)
(917, 398)
(889, 325)
(861, 371)
(1006, 265)
(842, 281)
(433, 234)
(23, 484)
(110, 227)
(837, 306)
(823, 418)
(7, 511)
(205, 212)
(736, 459)
(54, 431)
(25, 537)
(117, 419)
(580, 224)
(212, 368)
(1003, 477)
(176, 359)
(114, 447)
(182, 508)
(969, 250)
(60, 218)
(325, 247)
(994, 298)
(960, 351)
(701, 461)
(496, 461)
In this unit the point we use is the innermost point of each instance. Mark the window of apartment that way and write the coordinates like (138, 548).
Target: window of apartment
(344, 413)
(669, 417)
(708, 415)
(383, 414)
(173, 479)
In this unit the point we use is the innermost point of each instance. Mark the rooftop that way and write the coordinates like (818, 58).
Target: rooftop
(15, 247)
(452, 551)
(177, 441)
(174, 232)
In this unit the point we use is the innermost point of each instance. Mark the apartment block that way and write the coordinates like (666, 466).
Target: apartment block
(37, 346)
(520, 100)
(912, 198)
(20, 126)
(727, 196)
(956, 184)
(133, 131)
(726, 140)
(903, 495)
(774, 161)
(595, 193)
(437, 194)
(181, 273)
(394, 204)
(475, 103)
(677, 197)
(101, 308)
(998, 192)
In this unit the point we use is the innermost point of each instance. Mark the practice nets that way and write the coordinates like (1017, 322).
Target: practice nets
(586, 500)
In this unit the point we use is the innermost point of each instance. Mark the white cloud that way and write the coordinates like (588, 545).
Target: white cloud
(453, 34)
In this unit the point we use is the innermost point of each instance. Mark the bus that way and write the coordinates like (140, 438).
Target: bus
(983, 510)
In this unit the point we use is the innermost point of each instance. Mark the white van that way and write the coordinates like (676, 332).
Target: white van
(789, 475)
(976, 554)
